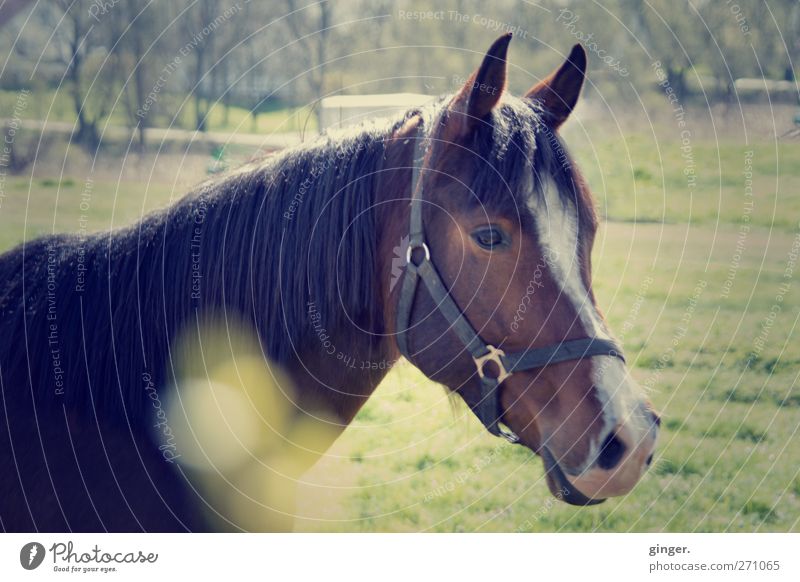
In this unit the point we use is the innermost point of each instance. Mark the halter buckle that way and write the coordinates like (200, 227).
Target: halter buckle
(410, 250)
(503, 431)
(495, 356)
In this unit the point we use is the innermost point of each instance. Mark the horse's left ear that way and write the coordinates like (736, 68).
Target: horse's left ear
(482, 91)
(559, 92)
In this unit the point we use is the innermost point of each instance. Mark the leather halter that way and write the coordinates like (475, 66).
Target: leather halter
(488, 408)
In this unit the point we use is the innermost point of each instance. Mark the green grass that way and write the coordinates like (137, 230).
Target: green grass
(641, 178)
(47, 205)
(729, 452)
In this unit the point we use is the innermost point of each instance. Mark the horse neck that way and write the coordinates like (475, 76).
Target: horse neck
(363, 365)
(392, 217)
(339, 384)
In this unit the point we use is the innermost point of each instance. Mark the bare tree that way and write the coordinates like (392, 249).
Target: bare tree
(231, 53)
(794, 39)
(313, 24)
(81, 47)
(10, 8)
(135, 30)
(194, 22)
(210, 28)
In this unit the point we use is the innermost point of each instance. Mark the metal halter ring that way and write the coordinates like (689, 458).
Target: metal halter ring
(410, 249)
(494, 355)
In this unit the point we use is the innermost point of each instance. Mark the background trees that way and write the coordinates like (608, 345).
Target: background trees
(191, 63)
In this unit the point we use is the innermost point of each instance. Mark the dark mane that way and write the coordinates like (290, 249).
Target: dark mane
(259, 245)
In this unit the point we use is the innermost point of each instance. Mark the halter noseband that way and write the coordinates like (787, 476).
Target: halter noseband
(488, 408)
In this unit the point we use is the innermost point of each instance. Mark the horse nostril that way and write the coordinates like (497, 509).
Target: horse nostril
(649, 460)
(611, 452)
(656, 418)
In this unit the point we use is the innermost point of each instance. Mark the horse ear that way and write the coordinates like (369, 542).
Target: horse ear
(559, 92)
(482, 91)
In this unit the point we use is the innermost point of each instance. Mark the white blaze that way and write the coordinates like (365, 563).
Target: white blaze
(557, 229)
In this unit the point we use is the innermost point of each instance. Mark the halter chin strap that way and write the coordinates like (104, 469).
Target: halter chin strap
(493, 365)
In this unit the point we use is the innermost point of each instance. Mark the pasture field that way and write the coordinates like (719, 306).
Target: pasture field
(699, 283)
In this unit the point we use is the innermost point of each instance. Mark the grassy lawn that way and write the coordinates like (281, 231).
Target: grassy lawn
(729, 454)
(46, 205)
(644, 179)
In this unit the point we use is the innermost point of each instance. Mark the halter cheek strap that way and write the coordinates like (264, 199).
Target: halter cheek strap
(492, 364)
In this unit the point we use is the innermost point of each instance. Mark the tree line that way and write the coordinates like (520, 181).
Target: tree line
(150, 59)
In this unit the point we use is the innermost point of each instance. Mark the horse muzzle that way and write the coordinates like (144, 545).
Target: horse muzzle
(560, 485)
(623, 458)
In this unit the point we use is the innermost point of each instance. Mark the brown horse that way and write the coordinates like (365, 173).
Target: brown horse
(494, 301)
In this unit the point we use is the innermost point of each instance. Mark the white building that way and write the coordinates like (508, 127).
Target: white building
(344, 110)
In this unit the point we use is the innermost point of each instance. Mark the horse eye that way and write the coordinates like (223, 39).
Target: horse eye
(490, 238)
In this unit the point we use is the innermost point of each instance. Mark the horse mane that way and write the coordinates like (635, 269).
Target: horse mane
(258, 245)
